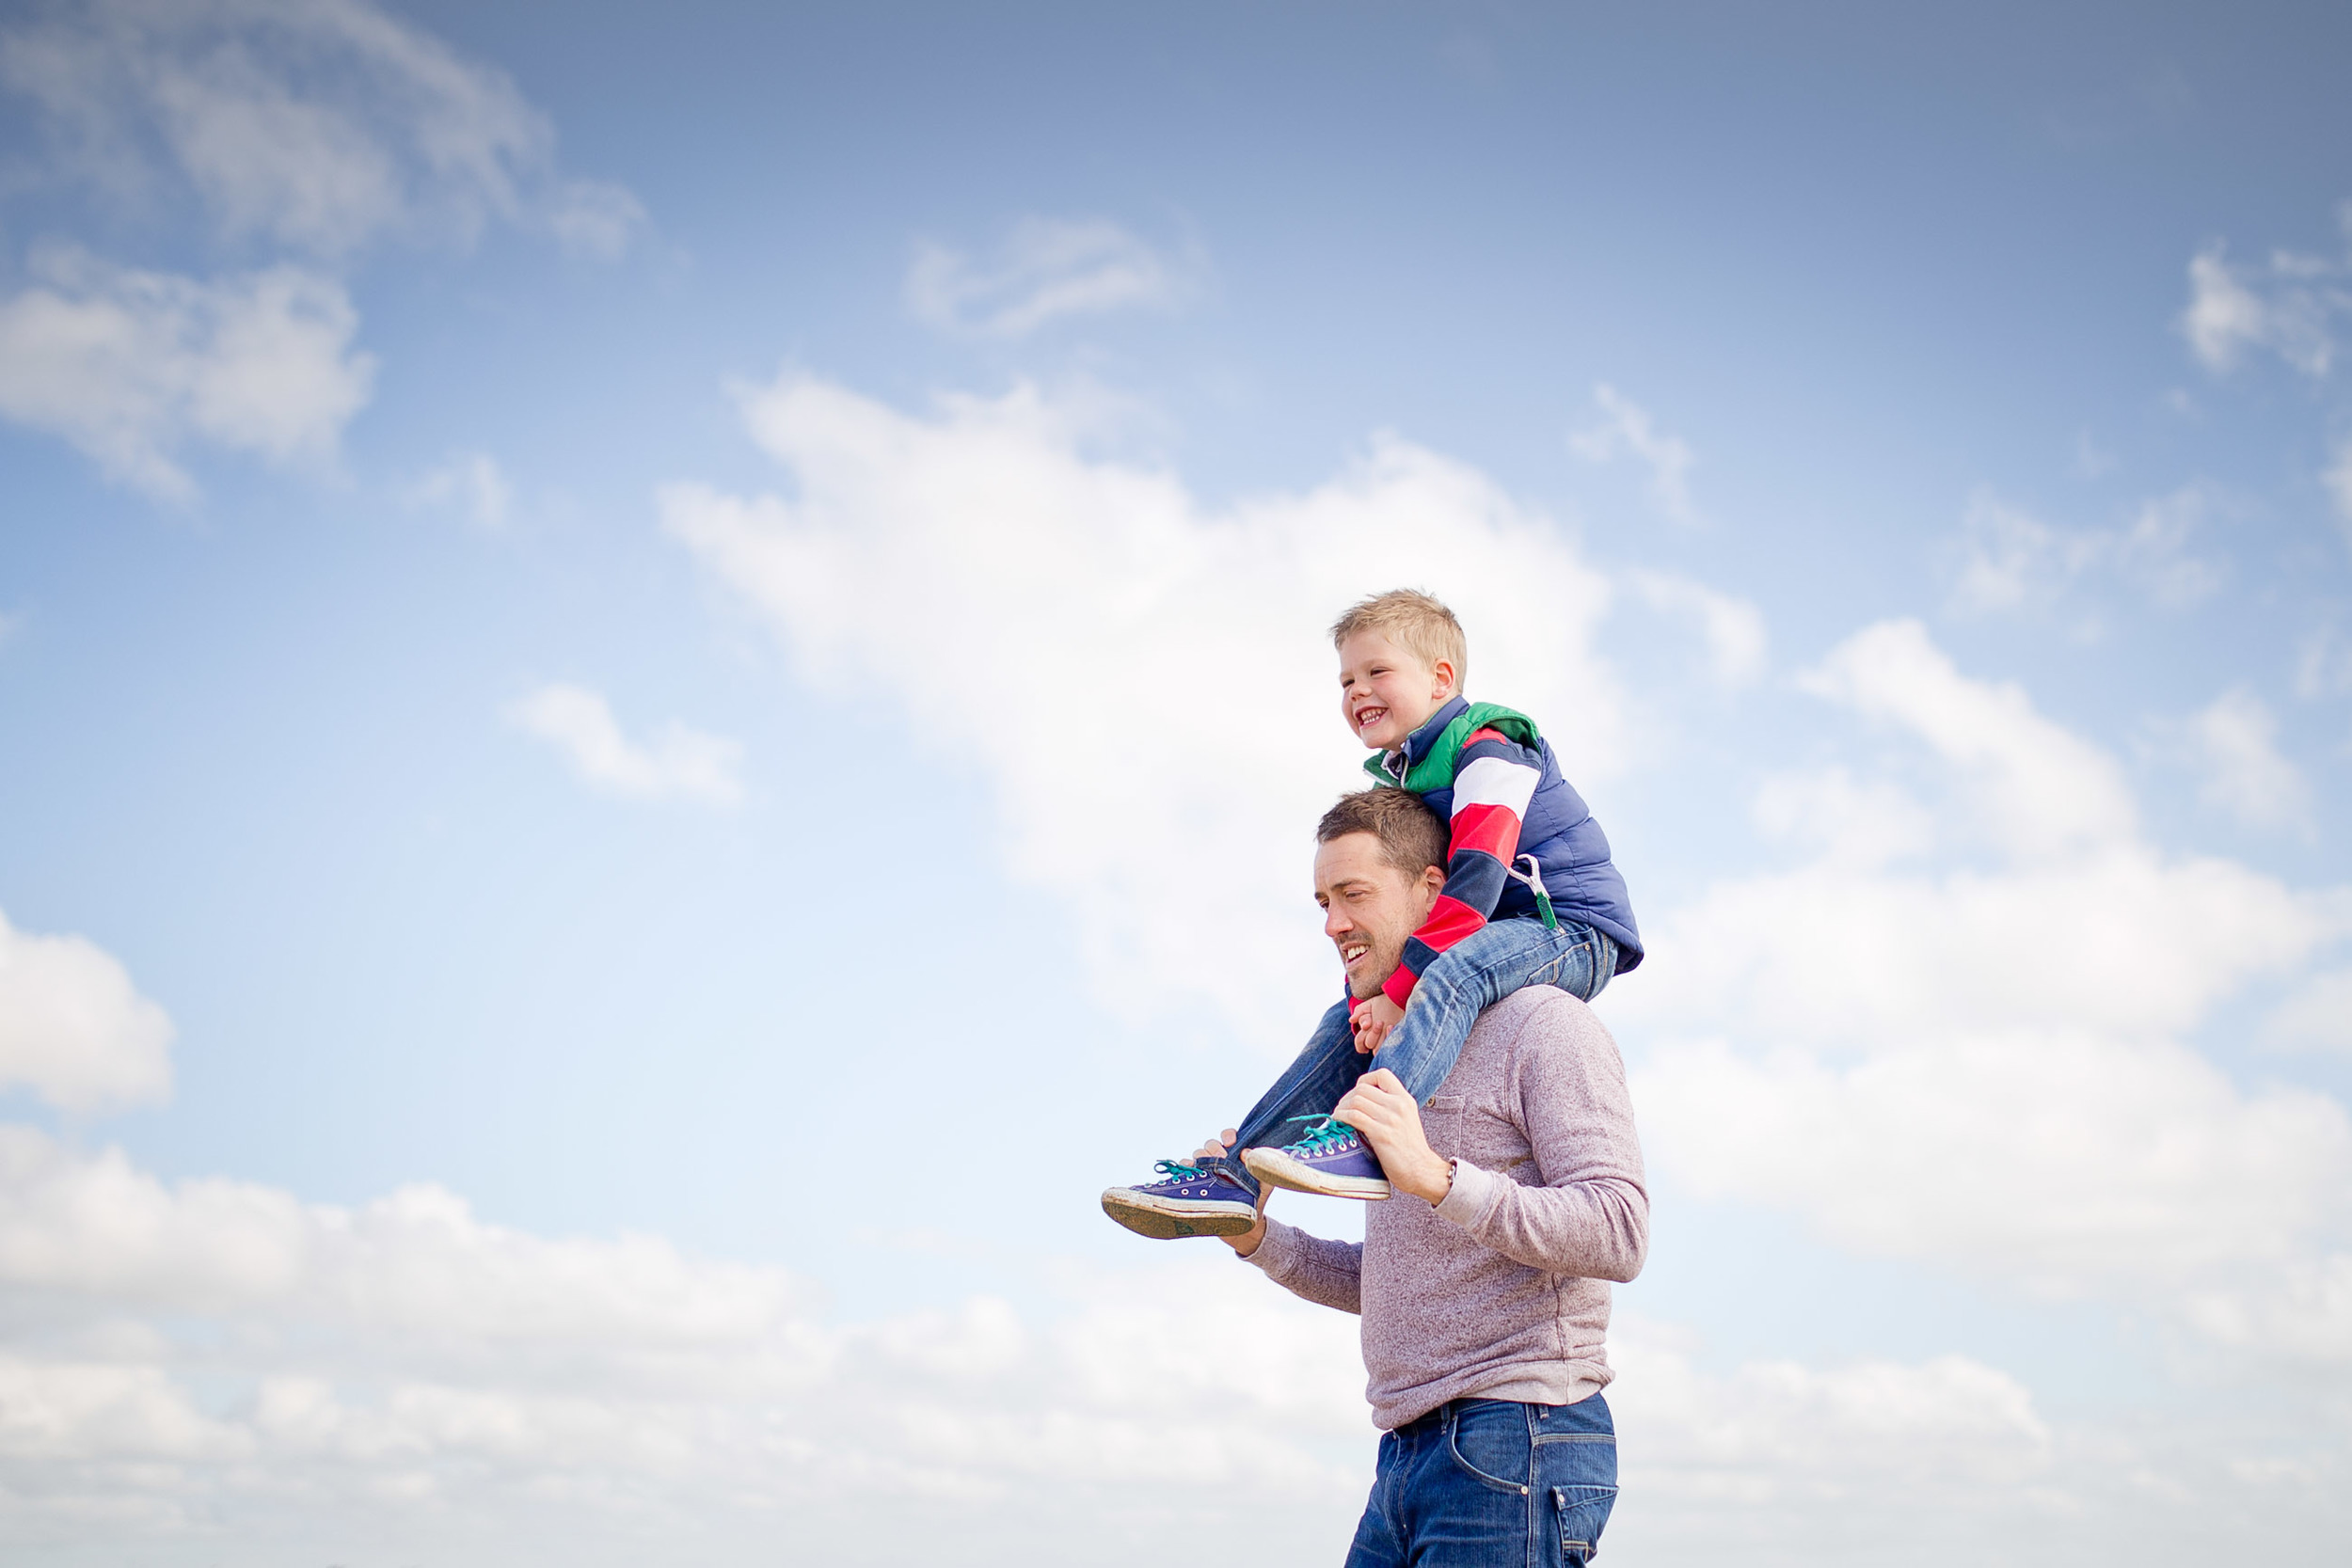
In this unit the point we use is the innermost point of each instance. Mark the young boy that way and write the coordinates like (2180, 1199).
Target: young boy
(1530, 897)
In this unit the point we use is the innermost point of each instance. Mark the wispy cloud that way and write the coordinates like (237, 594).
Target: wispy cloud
(2287, 305)
(471, 483)
(1731, 629)
(2322, 664)
(1046, 269)
(1627, 427)
(2232, 745)
(73, 1027)
(320, 125)
(2008, 560)
(678, 764)
(2337, 477)
(130, 365)
(303, 130)
(2316, 1015)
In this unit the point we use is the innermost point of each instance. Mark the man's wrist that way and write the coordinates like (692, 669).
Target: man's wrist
(1430, 1182)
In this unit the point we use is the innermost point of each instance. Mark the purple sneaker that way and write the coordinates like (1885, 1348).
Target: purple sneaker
(1331, 1160)
(1191, 1202)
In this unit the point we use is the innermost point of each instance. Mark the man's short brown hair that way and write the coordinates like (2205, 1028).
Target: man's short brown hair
(1415, 621)
(1412, 837)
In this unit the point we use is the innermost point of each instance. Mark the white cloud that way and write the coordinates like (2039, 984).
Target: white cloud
(2091, 460)
(1075, 598)
(269, 1366)
(2317, 1014)
(2295, 1318)
(184, 1363)
(2107, 1165)
(1731, 627)
(2153, 549)
(1840, 955)
(2322, 664)
(1784, 1433)
(2039, 788)
(1977, 1063)
(319, 124)
(472, 484)
(679, 764)
(317, 127)
(1627, 427)
(1047, 268)
(2338, 479)
(1860, 823)
(2232, 743)
(2286, 306)
(129, 365)
(2009, 559)
(74, 1028)
(1874, 1460)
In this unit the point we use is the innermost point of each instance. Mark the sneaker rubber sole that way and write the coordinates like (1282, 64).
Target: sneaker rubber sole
(1172, 1219)
(1276, 1168)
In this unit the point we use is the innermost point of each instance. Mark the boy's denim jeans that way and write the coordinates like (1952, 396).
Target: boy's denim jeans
(1491, 1484)
(1462, 982)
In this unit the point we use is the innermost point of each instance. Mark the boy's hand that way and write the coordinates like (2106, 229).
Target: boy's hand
(1373, 1018)
(1220, 1146)
(1247, 1242)
(1390, 1119)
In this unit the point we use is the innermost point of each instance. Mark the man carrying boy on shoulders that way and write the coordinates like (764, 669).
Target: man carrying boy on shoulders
(1483, 1285)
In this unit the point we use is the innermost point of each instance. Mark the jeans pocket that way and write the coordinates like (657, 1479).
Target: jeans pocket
(1489, 1442)
(1578, 1515)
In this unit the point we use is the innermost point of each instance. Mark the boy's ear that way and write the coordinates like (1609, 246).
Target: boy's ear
(1443, 671)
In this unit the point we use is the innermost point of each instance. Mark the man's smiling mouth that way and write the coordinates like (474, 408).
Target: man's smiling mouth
(1351, 951)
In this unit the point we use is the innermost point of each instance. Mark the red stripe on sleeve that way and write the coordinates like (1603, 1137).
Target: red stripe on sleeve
(1492, 828)
(1450, 920)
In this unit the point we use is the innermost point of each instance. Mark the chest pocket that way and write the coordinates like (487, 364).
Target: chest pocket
(1441, 1123)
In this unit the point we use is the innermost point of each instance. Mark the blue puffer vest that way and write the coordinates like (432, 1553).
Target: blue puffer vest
(1559, 829)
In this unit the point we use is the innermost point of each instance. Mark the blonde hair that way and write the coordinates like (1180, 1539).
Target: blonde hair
(1415, 621)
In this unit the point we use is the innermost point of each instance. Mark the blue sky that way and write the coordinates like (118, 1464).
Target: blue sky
(664, 694)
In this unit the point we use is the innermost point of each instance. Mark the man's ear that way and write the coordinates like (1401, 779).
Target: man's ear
(1433, 877)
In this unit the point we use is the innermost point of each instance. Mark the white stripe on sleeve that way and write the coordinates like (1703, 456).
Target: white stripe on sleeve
(1495, 781)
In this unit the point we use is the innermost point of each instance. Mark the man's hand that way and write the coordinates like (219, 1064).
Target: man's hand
(1247, 1242)
(1389, 1118)
(1373, 1018)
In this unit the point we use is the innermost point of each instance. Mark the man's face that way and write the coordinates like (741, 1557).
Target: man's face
(1369, 907)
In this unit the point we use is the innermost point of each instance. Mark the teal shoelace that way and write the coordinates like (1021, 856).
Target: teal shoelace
(1327, 1133)
(1176, 1170)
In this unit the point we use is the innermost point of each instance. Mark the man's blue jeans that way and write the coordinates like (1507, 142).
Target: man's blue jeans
(1462, 982)
(1491, 1484)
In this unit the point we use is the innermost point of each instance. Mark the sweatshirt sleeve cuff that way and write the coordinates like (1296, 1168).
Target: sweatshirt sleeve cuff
(1399, 986)
(1472, 1198)
(1275, 1250)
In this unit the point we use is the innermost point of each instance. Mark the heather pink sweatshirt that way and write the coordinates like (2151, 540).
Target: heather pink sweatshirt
(1500, 1290)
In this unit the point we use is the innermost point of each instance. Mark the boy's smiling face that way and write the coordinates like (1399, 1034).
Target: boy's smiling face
(1387, 694)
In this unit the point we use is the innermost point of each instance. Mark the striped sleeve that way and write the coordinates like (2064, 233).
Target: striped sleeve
(1493, 780)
